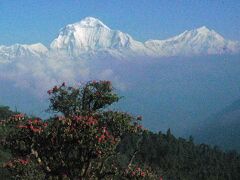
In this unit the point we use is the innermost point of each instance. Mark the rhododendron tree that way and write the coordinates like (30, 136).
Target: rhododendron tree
(89, 98)
(79, 142)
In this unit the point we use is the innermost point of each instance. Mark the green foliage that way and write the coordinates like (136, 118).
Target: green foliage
(82, 100)
(175, 158)
(5, 112)
(5, 155)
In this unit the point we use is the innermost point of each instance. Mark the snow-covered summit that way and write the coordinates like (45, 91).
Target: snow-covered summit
(37, 50)
(90, 35)
(90, 22)
(200, 41)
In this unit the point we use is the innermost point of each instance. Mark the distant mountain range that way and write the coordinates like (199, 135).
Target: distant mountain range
(223, 128)
(92, 38)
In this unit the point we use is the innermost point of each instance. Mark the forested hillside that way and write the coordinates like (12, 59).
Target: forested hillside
(178, 158)
(89, 142)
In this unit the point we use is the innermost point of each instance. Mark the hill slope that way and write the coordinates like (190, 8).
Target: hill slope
(223, 128)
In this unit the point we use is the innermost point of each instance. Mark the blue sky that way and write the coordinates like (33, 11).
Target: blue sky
(32, 21)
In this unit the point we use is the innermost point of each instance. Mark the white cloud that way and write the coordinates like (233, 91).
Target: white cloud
(39, 75)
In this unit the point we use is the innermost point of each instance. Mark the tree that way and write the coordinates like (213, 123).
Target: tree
(5, 112)
(79, 142)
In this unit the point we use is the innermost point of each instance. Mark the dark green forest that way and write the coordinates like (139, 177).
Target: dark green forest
(177, 158)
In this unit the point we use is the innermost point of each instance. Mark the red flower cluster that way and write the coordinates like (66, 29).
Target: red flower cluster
(98, 93)
(88, 120)
(50, 91)
(55, 88)
(105, 136)
(135, 172)
(23, 161)
(13, 163)
(18, 117)
(91, 121)
(35, 125)
(22, 127)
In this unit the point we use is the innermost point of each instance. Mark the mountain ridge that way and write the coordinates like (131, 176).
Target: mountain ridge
(222, 128)
(90, 36)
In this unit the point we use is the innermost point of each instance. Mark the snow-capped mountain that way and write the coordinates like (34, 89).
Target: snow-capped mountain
(7, 53)
(92, 38)
(201, 41)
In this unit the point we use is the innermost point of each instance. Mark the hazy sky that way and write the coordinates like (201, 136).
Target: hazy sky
(31, 21)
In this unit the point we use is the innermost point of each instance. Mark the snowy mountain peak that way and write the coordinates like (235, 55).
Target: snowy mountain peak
(89, 36)
(200, 33)
(200, 41)
(37, 50)
(90, 22)
(205, 36)
(203, 29)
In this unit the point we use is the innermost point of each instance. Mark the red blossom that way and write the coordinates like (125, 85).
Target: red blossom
(98, 93)
(50, 91)
(22, 127)
(45, 124)
(90, 121)
(18, 116)
(36, 121)
(78, 118)
(143, 174)
(23, 162)
(138, 169)
(106, 82)
(38, 130)
(55, 88)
